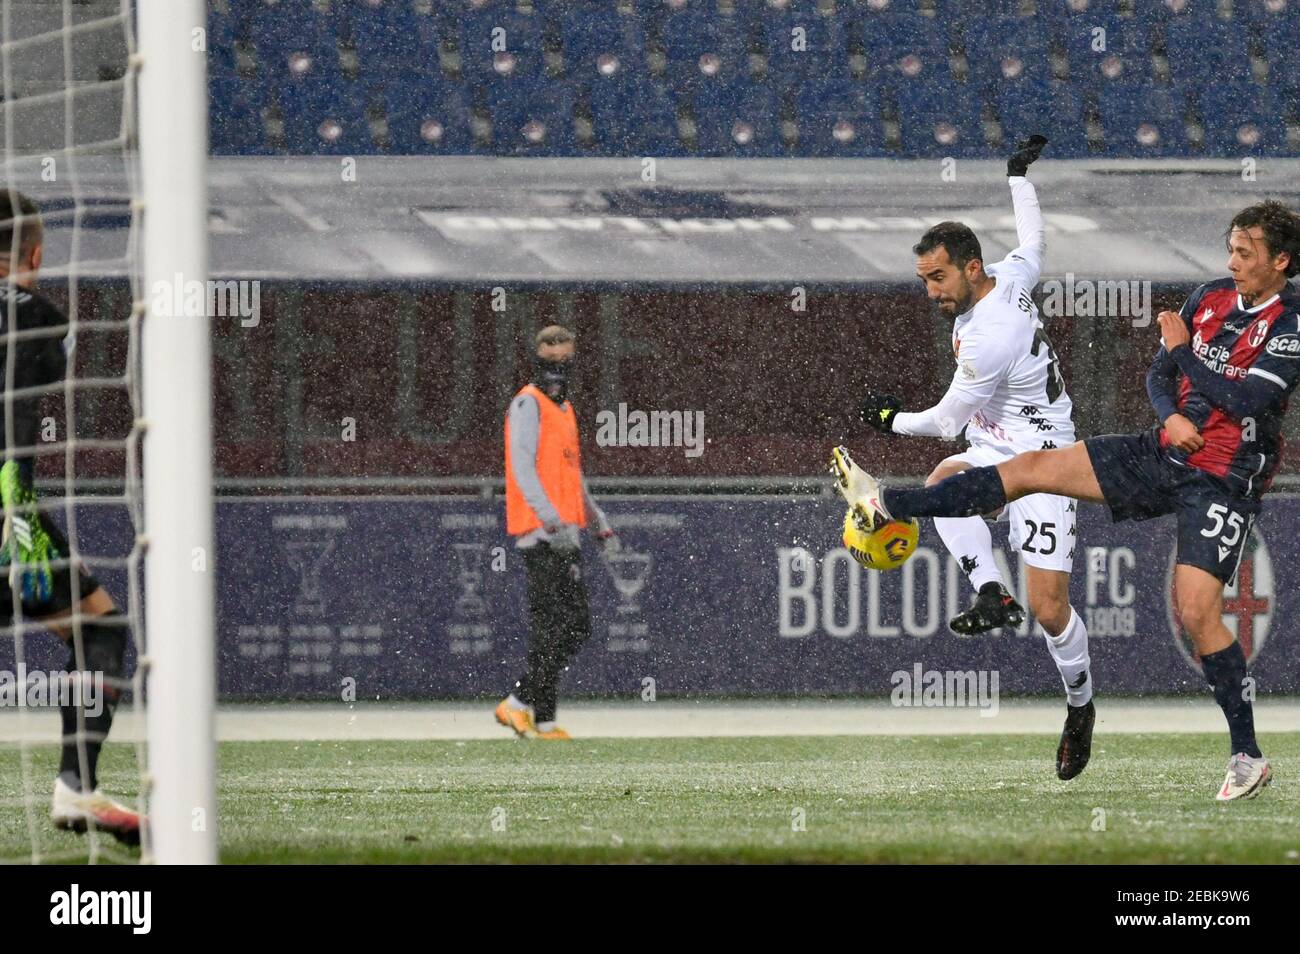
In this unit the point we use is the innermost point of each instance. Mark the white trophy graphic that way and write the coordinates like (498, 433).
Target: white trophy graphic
(308, 557)
(630, 572)
(469, 558)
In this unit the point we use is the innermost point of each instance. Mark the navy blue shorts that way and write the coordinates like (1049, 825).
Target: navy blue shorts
(1140, 481)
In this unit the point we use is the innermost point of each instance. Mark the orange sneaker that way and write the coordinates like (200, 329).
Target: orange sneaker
(555, 734)
(519, 720)
(76, 811)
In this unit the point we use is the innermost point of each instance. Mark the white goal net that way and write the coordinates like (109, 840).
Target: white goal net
(114, 217)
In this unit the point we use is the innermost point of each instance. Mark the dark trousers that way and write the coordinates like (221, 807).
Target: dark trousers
(559, 623)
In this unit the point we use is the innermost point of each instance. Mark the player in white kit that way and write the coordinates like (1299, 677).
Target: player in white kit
(1008, 395)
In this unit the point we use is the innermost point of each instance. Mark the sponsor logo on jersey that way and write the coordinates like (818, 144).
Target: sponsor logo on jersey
(1248, 604)
(1215, 357)
(1284, 346)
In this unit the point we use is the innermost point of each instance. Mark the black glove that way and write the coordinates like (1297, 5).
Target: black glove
(878, 410)
(1027, 151)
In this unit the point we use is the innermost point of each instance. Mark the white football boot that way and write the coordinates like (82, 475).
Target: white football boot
(858, 488)
(1246, 777)
(75, 811)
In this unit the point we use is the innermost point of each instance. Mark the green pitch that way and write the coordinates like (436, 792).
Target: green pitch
(1144, 798)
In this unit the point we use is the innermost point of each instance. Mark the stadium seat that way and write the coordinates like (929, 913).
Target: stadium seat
(292, 38)
(1279, 36)
(1056, 14)
(837, 110)
(322, 117)
(427, 118)
(386, 34)
(900, 47)
(236, 126)
(1055, 109)
(840, 120)
(958, 11)
(597, 38)
(1143, 119)
(1206, 53)
(497, 39)
(634, 116)
(739, 119)
(889, 37)
(223, 31)
(1085, 48)
(697, 40)
(822, 53)
(1007, 65)
(1158, 12)
(987, 39)
(540, 124)
(1239, 119)
(936, 118)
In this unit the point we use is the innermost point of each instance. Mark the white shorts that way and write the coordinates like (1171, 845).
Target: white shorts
(1043, 526)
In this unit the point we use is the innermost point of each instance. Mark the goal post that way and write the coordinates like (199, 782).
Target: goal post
(180, 651)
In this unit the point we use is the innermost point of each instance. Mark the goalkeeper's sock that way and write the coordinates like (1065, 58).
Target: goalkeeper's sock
(1070, 652)
(96, 730)
(1225, 671)
(967, 494)
(969, 540)
(104, 650)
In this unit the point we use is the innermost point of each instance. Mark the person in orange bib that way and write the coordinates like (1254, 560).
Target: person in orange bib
(547, 506)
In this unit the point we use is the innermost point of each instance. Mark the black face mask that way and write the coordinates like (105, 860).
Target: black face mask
(552, 377)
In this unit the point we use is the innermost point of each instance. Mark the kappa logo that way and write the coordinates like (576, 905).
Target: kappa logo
(1284, 346)
(1248, 604)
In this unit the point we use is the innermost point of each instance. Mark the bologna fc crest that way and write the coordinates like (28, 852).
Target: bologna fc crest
(1247, 605)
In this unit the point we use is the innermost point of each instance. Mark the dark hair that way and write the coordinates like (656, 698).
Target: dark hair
(1281, 228)
(25, 219)
(955, 238)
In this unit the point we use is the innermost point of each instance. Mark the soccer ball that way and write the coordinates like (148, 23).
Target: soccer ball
(885, 548)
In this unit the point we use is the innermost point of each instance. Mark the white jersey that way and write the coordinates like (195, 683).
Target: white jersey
(1007, 391)
(1007, 369)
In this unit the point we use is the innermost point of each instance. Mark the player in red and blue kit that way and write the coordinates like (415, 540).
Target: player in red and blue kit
(1220, 383)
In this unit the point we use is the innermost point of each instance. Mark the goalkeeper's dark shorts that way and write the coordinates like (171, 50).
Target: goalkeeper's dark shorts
(67, 580)
(1140, 481)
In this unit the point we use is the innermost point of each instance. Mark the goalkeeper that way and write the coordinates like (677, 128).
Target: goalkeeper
(41, 581)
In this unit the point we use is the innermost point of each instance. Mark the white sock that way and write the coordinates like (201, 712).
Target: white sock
(969, 539)
(1070, 651)
(546, 726)
(512, 702)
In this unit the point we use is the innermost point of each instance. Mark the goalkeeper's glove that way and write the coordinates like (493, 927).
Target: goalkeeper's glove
(879, 410)
(1027, 151)
(27, 548)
